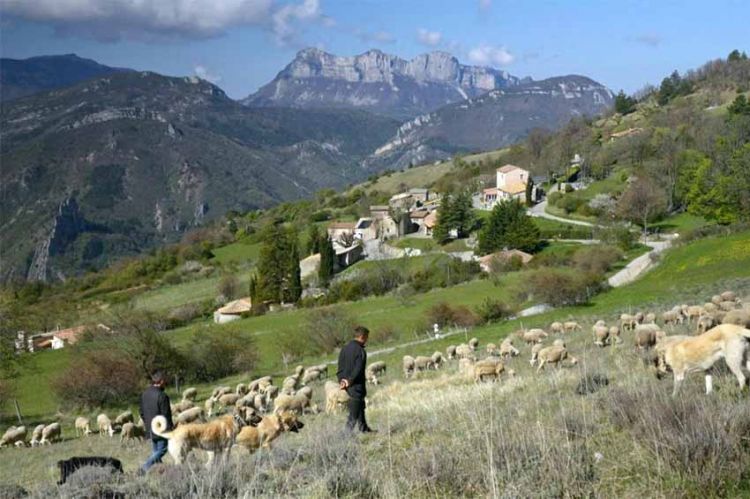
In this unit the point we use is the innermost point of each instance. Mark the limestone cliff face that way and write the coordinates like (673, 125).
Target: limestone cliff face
(378, 82)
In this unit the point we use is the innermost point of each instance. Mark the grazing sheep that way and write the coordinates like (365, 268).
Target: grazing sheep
(693, 312)
(672, 317)
(628, 322)
(639, 317)
(374, 370)
(614, 334)
(36, 435)
(423, 363)
(189, 416)
(124, 417)
(727, 306)
(716, 299)
(646, 336)
(705, 322)
(82, 426)
(260, 383)
(105, 425)
(407, 364)
(132, 431)
(534, 336)
(51, 433)
(507, 349)
(557, 327)
(182, 405)
(650, 318)
(13, 435)
(739, 317)
(464, 351)
(290, 382)
(601, 335)
(190, 394)
(228, 399)
(555, 354)
(335, 397)
(728, 296)
(450, 352)
(219, 391)
(209, 406)
(487, 368)
(241, 389)
(297, 403)
(322, 368)
(307, 391)
(535, 352)
(438, 360)
(311, 375)
(710, 307)
(571, 326)
(473, 343)
(492, 350)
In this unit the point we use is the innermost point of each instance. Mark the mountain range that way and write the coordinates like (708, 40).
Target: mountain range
(99, 167)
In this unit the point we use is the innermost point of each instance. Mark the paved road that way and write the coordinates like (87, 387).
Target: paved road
(539, 210)
(639, 265)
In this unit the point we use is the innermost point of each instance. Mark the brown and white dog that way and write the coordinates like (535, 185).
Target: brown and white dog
(215, 437)
(688, 354)
(268, 430)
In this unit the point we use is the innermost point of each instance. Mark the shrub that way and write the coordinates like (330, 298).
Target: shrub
(215, 354)
(596, 259)
(327, 329)
(559, 287)
(492, 310)
(100, 377)
(291, 346)
(383, 334)
(183, 315)
(619, 235)
(444, 314)
(554, 198)
(229, 287)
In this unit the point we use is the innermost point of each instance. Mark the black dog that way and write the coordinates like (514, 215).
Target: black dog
(70, 466)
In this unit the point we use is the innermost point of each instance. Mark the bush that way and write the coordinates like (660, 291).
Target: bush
(327, 329)
(100, 377)
(229, 287)
(554, 198)
(185, 314)
(492, 310)
(444, 315)
(216, 354)
(619, 235)
(596, 259)
(559, 287)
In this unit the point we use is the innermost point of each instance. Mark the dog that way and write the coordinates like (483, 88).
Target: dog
(70, 466)
(268, 430)
(215, 437)
(698, 353)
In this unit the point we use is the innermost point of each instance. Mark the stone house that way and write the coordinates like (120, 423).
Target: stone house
(233, 310)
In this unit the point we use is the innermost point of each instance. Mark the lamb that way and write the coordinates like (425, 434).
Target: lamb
(672, 317)
(534, 336)
(36, 435)
(311, 375)
(438, 360)
(189, 416)
(739, 317)
(335, 397)
(105, 425)
(190, 394)
(13, 435)
(374, 370)
(492, 350)
(557, 327)
(473, 344)
(571, 326)
(297, 403)
(132, 431)
(646, 336)
(450, 352)
(507, 349)
(464, 351)
(50, 433)
(423, 363)
(408, 365)
(488, 368)
(628, 322)
(122, 418)
(555, 354)
(601, 335)
(181, 406)
(82, 426)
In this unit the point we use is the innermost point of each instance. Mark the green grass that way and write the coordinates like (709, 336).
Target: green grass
(420, 243)
(238, 252)
(680, 223)
(172, 296)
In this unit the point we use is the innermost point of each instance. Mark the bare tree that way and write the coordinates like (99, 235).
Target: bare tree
(346, 239)
(642, 203)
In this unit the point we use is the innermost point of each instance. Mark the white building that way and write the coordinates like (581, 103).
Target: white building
(511, 183)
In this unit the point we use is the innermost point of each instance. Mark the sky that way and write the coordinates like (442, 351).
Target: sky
(242, 44)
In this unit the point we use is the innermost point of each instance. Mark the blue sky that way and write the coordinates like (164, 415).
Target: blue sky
(242, 44)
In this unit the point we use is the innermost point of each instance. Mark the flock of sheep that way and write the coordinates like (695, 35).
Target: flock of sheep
(295, 394)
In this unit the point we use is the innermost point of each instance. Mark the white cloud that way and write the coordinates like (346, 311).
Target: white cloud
(485, 5)
(111, 20)
(374, 36)
(649, 39)
(429, 38)
(203, 73)
(489, 55)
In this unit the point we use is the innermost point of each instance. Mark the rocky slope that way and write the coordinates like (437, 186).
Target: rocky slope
(377, 82)
(22, 77)
(491, 121)
(115, 165)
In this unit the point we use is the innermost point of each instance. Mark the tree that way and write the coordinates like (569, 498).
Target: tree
(327, 260)
(508, 226)
(441, 231)
(463, 217)
(740, 106)
(278, 266)
(314, 240)
(294, 288)
(346, 239)
(537, 139)
(642, 202)
(529, 192)
(624, 104)
(735, 55)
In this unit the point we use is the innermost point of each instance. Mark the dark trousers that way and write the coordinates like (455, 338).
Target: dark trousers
(357, 415)
(159, 448)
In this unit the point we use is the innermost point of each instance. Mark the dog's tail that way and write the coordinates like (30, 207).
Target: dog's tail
(159, 427)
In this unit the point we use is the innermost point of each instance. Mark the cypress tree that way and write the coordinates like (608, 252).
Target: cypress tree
(327, 260)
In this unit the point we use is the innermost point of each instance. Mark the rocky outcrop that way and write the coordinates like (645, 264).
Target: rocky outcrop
(378, 82)
(66, 226)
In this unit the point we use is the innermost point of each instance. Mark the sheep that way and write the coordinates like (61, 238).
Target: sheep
(614, 334)
(423, 363)
(705, 322)
(488, 368)
(693, 312)
(672, 317)
(450, 352)
(646, 336)
(507, 349)
(36, 435)
(182, 405)
(82, 426)
(335, 397)
(438, 360)
(50, 433)
(228, 399)
(628, 322)
(407, 364)
(296, 403)
(290, 382)
(105, 425)
(241, 389)
(322, 368)
(740, 317)
(534, 336)
(727, 306)
(132, 431)
(464, 351)
(554, 354)
(190, 394)
(716, 299)
(571, 326)
(260, 383)
(473, 344)
(13, 435)
(639, 317)
(270, 393)
(299, 370)
(219, 391)
(374, 370)
(557, 327)
(601, 335)
(650, 318)
(535, 353)
(307, 391)
(209, 406)
(311, 375)
(189, 416)
(124, 417)
(710, 307)
(492, 350)
(728, 296)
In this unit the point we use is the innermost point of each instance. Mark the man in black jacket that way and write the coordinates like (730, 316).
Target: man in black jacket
(351, 376)
(154, 402)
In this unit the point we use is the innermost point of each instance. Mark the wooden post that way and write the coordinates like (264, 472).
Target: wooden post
(18, 411)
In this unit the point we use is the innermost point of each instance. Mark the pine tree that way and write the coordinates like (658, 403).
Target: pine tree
(624, 104)
(327, 260)
(278, 278)
(314, 239)
(441, 231)
(294, 291)
(529, 192)
(509, 227)
(463, 217)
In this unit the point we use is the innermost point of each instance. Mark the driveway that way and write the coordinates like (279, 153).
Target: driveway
(539, 210)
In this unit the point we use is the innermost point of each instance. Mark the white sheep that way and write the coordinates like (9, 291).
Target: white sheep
(408, 365)
(311, 375)
(728, 296)
(450, 352)
(36, 435)
(189, 416)
(473, 344)
(298, 403)
(132, 431)
(190, 394)
(182, 405)
(601, 335)
(124, 417)
(534, 335)
(492, 350)
(423, 363)
(438, 360)
(464, 351)
(374, 371)
(335, 397)
(219, 391)
(614, 334)
(241, 389)
(82, 426)
(51, 433)
(105, 425)
(571, 326)
(557, 327)
(507, 349)
(555, 354)
(672, 317)
(628, 322)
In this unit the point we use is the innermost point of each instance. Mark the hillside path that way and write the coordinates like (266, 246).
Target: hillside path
(539, 210)
(639, 265)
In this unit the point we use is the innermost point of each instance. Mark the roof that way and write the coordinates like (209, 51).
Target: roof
(514, 188)
(342, 226)
(506, 255)
(491, 190)
(430, 220)
(340, 250)
(237, 306)
(403, 195)
(71, 334)
(380, 207)
(418, 190)
(419, 214)
(508, 168)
